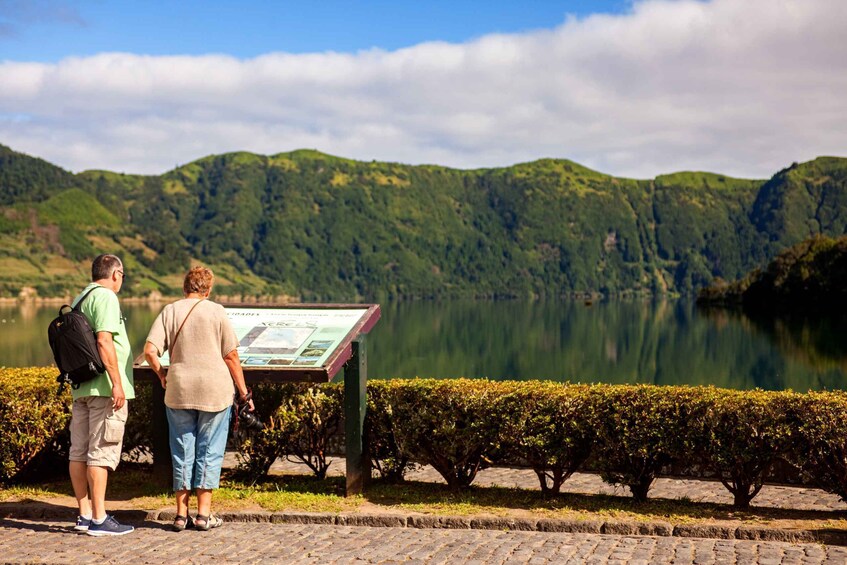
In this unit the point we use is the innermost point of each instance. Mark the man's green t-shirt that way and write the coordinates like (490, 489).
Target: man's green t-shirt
(103, 312)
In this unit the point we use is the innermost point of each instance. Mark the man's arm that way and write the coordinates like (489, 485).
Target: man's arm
(109, 356)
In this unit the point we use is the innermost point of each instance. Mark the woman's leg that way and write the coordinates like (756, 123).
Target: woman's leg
(204, 501)
(182, 502)
(213, 428)
(182, 437)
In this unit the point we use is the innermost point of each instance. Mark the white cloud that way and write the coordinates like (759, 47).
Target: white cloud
(742, 87)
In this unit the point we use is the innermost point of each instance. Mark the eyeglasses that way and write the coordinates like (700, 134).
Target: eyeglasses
(121, 273)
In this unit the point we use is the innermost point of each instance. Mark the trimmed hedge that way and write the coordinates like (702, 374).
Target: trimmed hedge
(457, 426)
(550, 429)
(743, 434)
(820, 444)
(34, 420)
(641, 430)
(630, 434)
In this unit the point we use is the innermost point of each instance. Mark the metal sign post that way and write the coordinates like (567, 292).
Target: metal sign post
(355, 407)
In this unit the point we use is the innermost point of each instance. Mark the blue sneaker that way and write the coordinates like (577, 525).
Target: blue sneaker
(109, 527)
(82, 524)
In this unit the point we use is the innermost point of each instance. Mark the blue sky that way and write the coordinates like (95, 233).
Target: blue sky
(49, 30)
(633, 88)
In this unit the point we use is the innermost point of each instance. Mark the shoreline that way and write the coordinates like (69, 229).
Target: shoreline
(152, 299)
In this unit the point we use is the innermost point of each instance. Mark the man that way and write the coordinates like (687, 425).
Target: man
(99, 409)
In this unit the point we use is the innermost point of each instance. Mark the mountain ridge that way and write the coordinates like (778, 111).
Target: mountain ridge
(316, 226)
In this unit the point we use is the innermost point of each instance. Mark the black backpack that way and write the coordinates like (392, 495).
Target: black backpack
(74, 346)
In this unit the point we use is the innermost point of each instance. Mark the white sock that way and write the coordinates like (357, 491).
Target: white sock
(100, 521)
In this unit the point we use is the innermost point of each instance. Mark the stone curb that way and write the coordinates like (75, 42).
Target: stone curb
(625, 528)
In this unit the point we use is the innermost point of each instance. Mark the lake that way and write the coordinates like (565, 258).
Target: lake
(612, 341)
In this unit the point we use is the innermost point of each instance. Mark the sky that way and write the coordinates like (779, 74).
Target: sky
(632, 88)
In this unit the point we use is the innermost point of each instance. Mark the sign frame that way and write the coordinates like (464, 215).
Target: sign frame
(350, 355)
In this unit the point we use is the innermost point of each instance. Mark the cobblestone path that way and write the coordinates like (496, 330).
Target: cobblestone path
(23, 541)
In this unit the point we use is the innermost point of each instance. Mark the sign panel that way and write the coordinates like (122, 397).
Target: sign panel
(291, 342)
(289, 337)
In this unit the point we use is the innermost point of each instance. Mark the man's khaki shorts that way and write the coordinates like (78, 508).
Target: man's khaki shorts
(97, 431)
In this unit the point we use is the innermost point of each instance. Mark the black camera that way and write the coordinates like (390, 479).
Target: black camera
(248, 417)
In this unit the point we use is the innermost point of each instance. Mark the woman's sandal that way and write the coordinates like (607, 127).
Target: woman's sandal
(206, 523)
(181, 523)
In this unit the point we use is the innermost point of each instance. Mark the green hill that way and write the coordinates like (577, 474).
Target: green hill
(317, 226)
(811, 275)
(29, 179)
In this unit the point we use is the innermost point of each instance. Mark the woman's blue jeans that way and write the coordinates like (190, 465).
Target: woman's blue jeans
(198, 443)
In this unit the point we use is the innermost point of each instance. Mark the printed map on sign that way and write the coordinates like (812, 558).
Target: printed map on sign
(297, 337)
(275, 340)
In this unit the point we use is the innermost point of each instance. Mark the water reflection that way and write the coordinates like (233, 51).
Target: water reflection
(662, 342)
(23, 331)
(813, 341)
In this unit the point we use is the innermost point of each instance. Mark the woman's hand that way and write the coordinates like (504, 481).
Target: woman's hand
(246, 394)
(162, 373)
(151, 354)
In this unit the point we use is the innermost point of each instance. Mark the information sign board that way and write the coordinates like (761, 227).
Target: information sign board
(307, 342)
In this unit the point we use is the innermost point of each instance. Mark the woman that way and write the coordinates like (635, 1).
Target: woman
(198, 387)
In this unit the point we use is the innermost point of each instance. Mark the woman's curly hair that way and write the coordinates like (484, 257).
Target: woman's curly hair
(199, 280)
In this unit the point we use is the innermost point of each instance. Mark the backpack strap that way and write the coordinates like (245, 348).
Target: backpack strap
(84, 296)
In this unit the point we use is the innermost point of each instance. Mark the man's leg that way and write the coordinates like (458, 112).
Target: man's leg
(77, 467)
(97, 479)
(79, 480)
(106, 428)
(104, 456)
(102, 524)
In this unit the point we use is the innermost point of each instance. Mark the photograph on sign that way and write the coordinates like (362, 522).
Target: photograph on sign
(296, 337)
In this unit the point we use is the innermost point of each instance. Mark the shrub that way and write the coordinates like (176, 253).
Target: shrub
(550, 429)
(640, 430)
(820, 449)
(743, 433)
(258, 451)
(34, 417)
(455, 426)
(306, 422)
(387, 458)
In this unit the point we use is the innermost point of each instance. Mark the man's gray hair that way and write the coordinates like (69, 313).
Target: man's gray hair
(104, 265)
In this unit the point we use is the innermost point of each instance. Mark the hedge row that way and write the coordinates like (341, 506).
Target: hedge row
(628, 433)
(35, 416)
